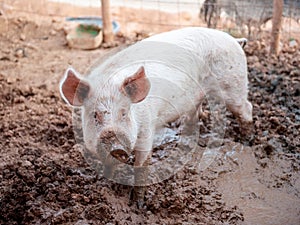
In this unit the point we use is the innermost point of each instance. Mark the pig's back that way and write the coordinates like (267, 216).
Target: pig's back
(191, 49)
(199, 40)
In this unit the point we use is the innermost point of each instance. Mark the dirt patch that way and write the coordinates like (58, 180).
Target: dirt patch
(45, 180)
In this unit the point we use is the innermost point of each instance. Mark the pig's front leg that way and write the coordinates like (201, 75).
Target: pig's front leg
(141, 177)
(142, 152)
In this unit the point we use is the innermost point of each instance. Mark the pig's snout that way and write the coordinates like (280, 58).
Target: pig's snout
(114, 143)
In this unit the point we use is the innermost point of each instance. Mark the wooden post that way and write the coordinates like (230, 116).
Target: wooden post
(276, 26)
(108, 36)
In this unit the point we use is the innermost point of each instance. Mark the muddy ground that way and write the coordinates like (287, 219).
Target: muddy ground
(44, 179)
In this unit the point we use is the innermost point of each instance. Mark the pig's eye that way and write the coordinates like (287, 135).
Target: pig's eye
(98, 117)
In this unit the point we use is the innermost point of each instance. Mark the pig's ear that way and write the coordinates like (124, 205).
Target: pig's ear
(137, 86)
(73, 88)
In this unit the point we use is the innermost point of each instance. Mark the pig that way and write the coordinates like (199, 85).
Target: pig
(250, 13)
(131, 95)
(210, 11)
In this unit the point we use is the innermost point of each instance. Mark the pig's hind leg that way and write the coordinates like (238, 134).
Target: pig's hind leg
(237, 103)
(232, 87)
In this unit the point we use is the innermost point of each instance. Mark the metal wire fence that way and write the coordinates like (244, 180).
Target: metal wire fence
(238, 17)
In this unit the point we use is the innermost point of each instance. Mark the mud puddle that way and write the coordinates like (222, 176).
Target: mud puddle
(266, 189)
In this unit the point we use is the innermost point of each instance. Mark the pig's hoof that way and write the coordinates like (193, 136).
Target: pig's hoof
(137, 197)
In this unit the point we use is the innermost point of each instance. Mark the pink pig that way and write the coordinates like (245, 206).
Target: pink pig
(131, 95)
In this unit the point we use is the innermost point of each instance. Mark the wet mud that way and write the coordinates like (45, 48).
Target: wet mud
(44, 179)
